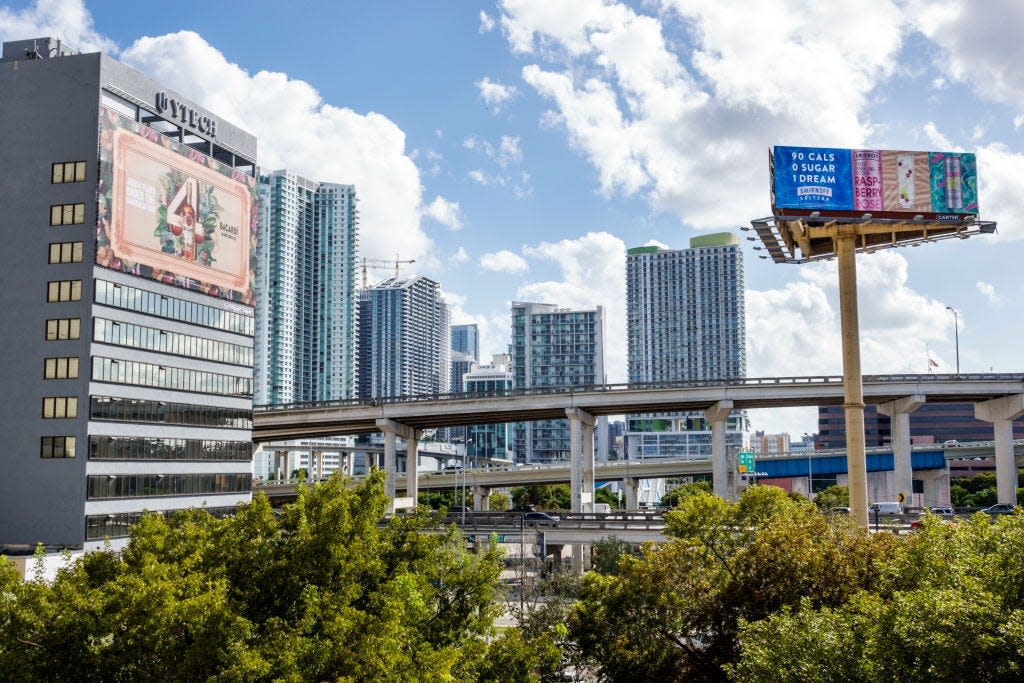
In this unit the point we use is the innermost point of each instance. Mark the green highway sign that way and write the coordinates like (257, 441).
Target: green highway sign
(746, 462)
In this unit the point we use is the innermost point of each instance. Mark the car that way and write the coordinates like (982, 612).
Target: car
(1000, 509)
(944, 511)
(540, 519)
(952, 443)
(918, 523)
(888, 508)
(458, 509)
(841, 510)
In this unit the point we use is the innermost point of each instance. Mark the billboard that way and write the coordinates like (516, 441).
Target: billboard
(173, 214)
(888, 184)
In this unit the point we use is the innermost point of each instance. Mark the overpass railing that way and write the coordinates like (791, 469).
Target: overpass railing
(812, 380)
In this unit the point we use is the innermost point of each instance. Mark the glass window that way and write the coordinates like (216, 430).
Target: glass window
(61, 368)
(57, 447)
(67, 214)
(64, 290)
(63, 328)
(60, 407)
(66, 252)
(68, 172)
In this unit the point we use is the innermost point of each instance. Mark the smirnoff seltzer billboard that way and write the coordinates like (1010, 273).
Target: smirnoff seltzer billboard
(171, 213)
(887, 184)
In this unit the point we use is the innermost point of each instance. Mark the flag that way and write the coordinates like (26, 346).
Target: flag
(932, 364)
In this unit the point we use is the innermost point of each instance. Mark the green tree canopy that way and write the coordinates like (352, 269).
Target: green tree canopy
(833, 497)
(322, 592)
(543, 496)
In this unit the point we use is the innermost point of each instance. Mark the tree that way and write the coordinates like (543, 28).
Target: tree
(499, 502)
(545, 496)
(673, 497)
(833, 497)
(321, 592)
(603, 495)
(674, 613)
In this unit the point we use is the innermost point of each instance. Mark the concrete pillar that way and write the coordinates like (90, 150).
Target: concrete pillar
(631, 485)
(1001, 413)
(717, 414)
(936, 487)
(899, 412)
(581, 459)
(481, 498)
(412, 462)
(391, 430)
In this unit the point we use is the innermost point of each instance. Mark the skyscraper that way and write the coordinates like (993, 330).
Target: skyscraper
(129, 216)
(404, 339)
(466, 339)
(685, 322)
(488, 440)
(553, 347)
(306, 290)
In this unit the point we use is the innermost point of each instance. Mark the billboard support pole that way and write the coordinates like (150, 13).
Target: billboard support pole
(853, 386)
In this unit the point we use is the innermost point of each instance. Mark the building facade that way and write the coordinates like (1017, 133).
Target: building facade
(404, 339)
(930, 423)
(553, 347)
(685, 321)
(488, 441)
(306, 290)
(129, 332)
(466, 339)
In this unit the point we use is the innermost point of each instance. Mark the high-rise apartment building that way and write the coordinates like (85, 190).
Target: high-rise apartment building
(685, 322)
(306, 290)
(130, 213)
(466, 339)
(461, 364)
(553, 347)
(404, 339)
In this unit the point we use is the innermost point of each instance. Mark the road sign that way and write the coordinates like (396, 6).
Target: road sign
(746, 461)
(901, 497)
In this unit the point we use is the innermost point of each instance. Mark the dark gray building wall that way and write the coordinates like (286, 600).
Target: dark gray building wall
(48, 113)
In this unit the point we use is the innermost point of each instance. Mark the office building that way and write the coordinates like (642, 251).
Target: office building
(930, 423)
(466, 339)
(130, 217)
(488, 441)
(404, 339)
(306, 290)
(685, 322)
(461, 364)
(553, 347)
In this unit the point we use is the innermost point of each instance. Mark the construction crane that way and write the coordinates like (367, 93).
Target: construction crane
(382, 263)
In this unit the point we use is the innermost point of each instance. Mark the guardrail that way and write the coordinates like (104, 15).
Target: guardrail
(644, 386)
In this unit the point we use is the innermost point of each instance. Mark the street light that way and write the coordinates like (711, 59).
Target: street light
(956, 336)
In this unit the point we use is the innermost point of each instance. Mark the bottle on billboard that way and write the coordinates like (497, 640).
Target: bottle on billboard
(187, 211)
(954, 186)
(905, 180)
(867, 180)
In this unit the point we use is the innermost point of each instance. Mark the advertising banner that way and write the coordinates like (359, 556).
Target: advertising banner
(869, 180)
(171, 213)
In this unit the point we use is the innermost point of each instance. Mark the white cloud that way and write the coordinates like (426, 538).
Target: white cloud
(505, 153)
(978, 132)
(486, 23)
(1018, 121)
(298, 130)
(444, 212)
(460, 256)
(937, 139)
(979, 45)
(654, 121)
(495, 95)
(66, 20)
(593, 268)
(479, 176)
(504, 261)
(988, 291)
(939, 83)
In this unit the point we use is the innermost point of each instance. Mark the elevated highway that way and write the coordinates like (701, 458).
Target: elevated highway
(271, 423)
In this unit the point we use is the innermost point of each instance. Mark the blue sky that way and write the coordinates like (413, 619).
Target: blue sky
(516, 148)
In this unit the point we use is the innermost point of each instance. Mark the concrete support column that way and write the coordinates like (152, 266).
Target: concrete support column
(412, 464)
(481, 498)
(853, 382)
(631, 485)
(281, 465)
(899, 412)
(1001, 413)
(391, 430)
(936, 487)
(581, 459)
(717, 414)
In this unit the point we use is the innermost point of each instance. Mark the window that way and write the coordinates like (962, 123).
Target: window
(60, 407)
(66, 252)
(63, 328)
(64, 290)
(67, 214)
(61, 368)
(68, 172)
(57, 447)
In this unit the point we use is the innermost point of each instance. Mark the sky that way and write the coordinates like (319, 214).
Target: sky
(516, 149)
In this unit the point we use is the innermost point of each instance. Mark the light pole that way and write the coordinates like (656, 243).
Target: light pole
(956, 335)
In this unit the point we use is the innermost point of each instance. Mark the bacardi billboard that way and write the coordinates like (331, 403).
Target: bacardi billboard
(171, 213)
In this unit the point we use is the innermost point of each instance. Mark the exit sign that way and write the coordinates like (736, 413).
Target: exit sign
(746, 461)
